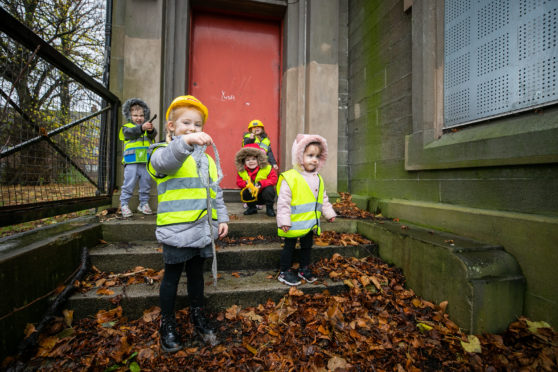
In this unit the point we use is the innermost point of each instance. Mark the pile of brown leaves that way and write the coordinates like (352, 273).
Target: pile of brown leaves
(340, 239)
(378, 325)
(103, 281)
(345, 207)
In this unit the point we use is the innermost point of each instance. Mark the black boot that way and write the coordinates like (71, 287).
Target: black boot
(170, 339)
(252, 209)
(269, 210)
(203, 329)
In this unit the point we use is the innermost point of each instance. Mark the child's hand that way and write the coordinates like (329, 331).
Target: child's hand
(276, 167)
(285, 228)
(147, 126)
(198, 138)
(223, 230)
(251, 135)
(332, 219)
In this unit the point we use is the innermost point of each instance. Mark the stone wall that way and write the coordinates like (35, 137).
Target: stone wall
(494, 181)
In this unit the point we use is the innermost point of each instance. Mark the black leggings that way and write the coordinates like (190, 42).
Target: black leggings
(169, 284)
(265, 197)
(288, 249)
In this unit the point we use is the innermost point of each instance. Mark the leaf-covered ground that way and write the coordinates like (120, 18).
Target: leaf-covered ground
(378, 325)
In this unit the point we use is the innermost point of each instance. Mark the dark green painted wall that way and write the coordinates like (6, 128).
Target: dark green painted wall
(489, 203)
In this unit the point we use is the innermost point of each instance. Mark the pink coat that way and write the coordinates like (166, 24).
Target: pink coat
(285, 195)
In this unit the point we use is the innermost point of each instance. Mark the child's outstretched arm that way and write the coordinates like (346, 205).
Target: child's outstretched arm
(271, 159)
(198, 138)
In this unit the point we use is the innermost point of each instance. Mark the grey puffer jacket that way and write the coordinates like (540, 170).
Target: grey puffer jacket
(168, 160)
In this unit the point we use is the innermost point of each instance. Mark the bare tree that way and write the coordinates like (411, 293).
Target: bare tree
(48, 96)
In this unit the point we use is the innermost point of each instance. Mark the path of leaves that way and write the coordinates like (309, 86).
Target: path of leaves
(378, 325)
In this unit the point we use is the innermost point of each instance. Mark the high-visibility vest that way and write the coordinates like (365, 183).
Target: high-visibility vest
(306, 210)
(135, 150)
(263, 143)
(182, 197)
(261, 175)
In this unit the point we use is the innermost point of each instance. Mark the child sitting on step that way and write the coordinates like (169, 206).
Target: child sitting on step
(300, 203)
(256, 178)
(182, 225)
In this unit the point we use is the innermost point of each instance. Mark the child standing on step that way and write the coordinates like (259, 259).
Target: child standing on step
(255, 172)
(182, 225)
(300, 203)
(138, 134)
(256, 134)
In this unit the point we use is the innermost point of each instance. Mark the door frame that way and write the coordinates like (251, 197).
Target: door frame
(307, 69)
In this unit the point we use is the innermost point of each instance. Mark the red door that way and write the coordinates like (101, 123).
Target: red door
(235, 72)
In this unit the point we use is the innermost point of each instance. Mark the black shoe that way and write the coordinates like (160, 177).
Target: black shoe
(203, 329)
(288, 277)
(306, 274)
(251, 210)
(269, 210)
(170, 339)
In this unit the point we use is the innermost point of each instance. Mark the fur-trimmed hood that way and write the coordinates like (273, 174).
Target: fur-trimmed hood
(250, 149)
(299, 145)
(135, 101)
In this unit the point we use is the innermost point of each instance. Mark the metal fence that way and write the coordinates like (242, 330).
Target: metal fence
(57, 138)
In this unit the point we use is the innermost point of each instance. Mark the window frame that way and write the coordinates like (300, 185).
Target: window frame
(529, 137)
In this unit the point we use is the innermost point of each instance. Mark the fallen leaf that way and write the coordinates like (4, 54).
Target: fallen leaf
(232, 312)
(535, 326)
(424, 327)
(105, 291)
(472, 345)
(337, 362)
(68, 317)
(250, 349)
(293, 291)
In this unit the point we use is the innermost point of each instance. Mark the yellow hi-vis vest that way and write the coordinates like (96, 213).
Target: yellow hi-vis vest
(261, 175)
(264, 143)
(135, 150)
(306, 210)
(182, 197)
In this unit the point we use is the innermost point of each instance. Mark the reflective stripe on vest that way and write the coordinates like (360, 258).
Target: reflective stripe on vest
(135, 150)
(264, 143)
(182, 197)
(306, 210)
(261, 175)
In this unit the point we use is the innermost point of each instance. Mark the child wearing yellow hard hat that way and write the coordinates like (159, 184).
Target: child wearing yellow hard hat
(182, 222)
(256, 134)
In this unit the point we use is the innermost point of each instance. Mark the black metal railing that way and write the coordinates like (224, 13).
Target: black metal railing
(58, 130)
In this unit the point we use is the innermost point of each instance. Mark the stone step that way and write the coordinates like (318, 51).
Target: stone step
(121, 256)
(142, 227)
(249, 289)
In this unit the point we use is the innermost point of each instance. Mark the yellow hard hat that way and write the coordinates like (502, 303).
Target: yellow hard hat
(188, 101)
(255, 123)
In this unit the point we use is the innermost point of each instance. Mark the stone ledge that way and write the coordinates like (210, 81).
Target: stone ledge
(482, 283)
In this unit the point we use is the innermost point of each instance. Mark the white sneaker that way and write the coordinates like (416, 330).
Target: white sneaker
(144, 208)
(244, 205)
(126, 211)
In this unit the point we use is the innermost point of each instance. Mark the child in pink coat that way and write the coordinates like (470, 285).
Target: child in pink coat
(300, 203)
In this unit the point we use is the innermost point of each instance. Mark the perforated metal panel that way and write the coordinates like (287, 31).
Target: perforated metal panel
(500, 57)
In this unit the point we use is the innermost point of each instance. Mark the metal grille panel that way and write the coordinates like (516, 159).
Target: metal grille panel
(500, 58)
